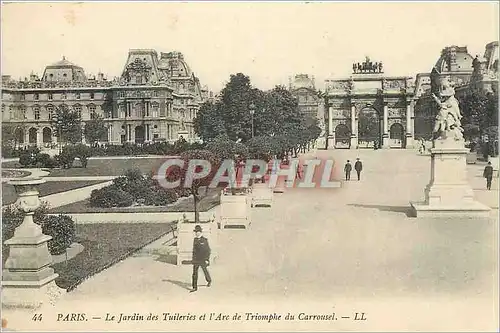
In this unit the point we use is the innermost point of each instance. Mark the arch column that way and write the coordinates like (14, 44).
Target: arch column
(410, 128)
(354, 128)
(385, 133)
(331, 130)
(39, 137)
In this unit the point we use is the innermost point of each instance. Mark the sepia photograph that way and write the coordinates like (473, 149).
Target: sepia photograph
(250, 166)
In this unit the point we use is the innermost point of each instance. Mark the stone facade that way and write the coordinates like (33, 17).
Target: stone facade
(155, 98)
(464, 71)
(303, 88)
(369, 99)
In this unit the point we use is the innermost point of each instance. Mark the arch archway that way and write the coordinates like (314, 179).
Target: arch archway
(368, 127)
(32, 136)
(19, 135)
(342, 136)
(47, 135)
(396, 135)
(139, 134)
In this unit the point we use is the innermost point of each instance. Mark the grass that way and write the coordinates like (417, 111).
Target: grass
(9, 194)
(103, 167)
(105, 244)
(209, 201)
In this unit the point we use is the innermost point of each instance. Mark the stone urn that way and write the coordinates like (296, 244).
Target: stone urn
(28, 279)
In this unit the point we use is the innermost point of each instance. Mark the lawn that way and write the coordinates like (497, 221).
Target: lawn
(103, 167)
(105, 244)
(209, 201)
(9, 194)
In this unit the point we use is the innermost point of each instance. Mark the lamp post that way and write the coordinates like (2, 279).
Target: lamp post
(252, 111)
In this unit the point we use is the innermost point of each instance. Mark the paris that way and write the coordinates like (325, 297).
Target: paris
(334, 161)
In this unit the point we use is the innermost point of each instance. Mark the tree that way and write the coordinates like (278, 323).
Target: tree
(67, 125)
(208, 123)
(224, 148)
(95, 130)
(175, 173)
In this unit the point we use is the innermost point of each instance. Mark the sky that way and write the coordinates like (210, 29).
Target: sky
(269, 41)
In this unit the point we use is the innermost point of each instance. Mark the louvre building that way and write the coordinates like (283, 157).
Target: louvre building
(156, 98)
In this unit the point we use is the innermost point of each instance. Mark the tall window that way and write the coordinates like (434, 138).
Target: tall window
(36, 112)
(36, 97)
(78, 109)
(50, 111)
(77, 95)
(63, 96)
(91, 95)
(154, 109)
(49, 96)
(92, 109)
(23, 112)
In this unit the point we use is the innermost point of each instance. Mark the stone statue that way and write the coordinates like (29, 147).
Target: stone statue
(448, 119)
(354, 67)
(380, 67)
(183, 126)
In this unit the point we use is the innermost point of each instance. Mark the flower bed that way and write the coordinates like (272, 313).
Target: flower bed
(206, 203)
(9, 195)
(104, 245)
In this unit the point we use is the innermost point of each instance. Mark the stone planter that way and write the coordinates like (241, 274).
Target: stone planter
(471, 158)
(235, 210)
(28, 279)
(262, 195)
(185, 237)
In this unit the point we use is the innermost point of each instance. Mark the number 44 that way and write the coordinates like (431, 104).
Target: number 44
(37, 317)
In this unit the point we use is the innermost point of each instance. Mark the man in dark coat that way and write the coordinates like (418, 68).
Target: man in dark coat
(347, 170)
(201, 257)
(358, 166)
(488, 174)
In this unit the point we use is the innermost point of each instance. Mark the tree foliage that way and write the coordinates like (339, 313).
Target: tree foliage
(175, 173)
(95, 130)
(479, 110)
(67, 125)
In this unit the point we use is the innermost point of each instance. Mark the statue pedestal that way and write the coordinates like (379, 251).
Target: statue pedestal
(448, 192)
(354, 142)
(331, 142)
(28, 279)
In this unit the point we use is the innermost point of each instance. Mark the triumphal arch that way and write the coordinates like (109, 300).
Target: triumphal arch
(370, 109)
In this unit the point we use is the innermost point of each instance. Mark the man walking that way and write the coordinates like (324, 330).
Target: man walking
(358, 166)
(488, 174)
(201, 257)
(347, 170)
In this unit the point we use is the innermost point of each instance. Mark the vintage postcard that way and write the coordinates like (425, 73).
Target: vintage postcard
(249, 166)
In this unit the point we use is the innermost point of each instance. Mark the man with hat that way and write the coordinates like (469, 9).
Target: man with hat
(201, 257)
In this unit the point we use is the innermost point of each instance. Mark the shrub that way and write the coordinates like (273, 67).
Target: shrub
(161, 197)
(26, 160)
(45, 161)
(66, 158)
(62, 230)
(110, 196)
(83, 152)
